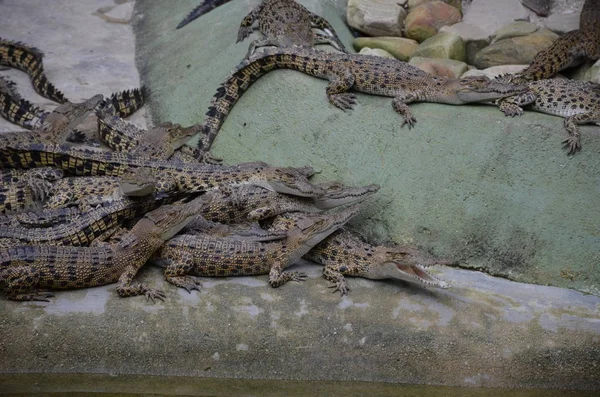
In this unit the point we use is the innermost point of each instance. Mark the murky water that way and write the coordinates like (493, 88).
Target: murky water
(133, 385)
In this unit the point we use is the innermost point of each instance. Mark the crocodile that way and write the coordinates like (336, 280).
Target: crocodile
(159, 142)
(578, 102)
(571, 49)
(21, 56)
(26, 271)
(56, 126)
(28, 190)
(170, 175)
(18, 110)
(81, 228)
(362, 73)
(281, 22)
(186, 256)
(345, 254)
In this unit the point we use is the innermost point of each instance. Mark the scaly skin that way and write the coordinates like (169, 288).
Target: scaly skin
(28, 190)
(345, 254)
(56, 126)
(205, 7)
(159, 142)
(285, 23)
(61, 227)
(206, 255)
(368, 74)
(578, 102)
(571, 49)
(25, 271)
(18, 110)
(239, 204)
(170, 175)
(29, 59)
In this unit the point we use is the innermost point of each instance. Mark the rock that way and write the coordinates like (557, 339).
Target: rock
(516, 50)
(399, 47)
(515, 29)
(426, 20)
(491, 15)
(562, 23)
(440, 67)
(495, 71)
(473, 37)
(442, 45)
(376, 17)
(415, 3)
(376, 52)
(593, 73)
(540, 7)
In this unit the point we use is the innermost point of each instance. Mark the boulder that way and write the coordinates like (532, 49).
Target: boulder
(515, 29)
(399, 47)
(440, 67)
(491, 15)
(426, 20)
(540, 7)
(376, 17)
(442, 45)
(376, 52)
(562, 23)
(473, 37)
(516, 50)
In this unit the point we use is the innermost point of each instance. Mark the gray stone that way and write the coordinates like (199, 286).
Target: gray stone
(516, 50)
(540, 7)
(457, 68)
(562, 23)
(476, 199)
(376, 52)
(376, 17)
(442, 45)
(399, 47)
(515, 29)
(491, 15)
(473, 37)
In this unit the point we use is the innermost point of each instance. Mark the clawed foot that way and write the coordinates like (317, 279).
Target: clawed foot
(340, 286)
(208, 158)
(39, 296)
(343, 101)
(188, 283)
(572, 144)
(243, 33)
(152, 294)
(297, 276)
(512, 111)
(410, 120)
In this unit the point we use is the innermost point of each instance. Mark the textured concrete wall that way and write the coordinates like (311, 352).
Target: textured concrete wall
(492, 192)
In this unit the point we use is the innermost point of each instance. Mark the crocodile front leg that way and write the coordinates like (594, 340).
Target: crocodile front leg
(332, 273)
(322, 24)
(513, 106)
(332, 41)
(125, 288)
(261, 43)
(337, 88)
(277, 277)
(247, 22)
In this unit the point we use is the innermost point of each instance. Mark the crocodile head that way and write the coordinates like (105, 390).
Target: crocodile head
(137, 182)
(178, 135)
(337, 194)
(285, 180)
(169, 220)
(406, 263)
(480, 89)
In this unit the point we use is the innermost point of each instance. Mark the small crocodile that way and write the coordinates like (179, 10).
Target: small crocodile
(186, 256)
(578, 102)
(28, 191)
(571, 49)
(362, 73)
(18, 110)
(29, 59)
(26, 271)
(345, 254)
(170, 175)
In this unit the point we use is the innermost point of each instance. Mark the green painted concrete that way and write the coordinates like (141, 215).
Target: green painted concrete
(492, 192)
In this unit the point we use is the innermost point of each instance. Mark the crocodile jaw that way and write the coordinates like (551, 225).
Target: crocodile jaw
(411, 273)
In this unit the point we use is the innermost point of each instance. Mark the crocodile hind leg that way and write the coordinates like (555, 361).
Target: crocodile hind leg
(337, 90)
(247, 22)
(573, 142)
(277, 277)
(261, 43)
(125, 288)
(21, 284)
(325, 39)
(177, 273)
(334, 275)
(400, 104)
(322, 24)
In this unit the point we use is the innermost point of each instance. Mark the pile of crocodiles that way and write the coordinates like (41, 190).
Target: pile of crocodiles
(88, 198)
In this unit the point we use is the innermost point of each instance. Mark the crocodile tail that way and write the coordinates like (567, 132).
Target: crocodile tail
(115, 132)
(18, 110)
(204, 8)
(125, 103)
(29, 59)
(230, 91)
